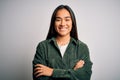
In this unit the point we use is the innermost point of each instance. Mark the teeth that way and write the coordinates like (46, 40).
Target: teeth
(62, 28)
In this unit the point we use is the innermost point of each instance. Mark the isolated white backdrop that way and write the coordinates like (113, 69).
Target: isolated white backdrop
(24, 23)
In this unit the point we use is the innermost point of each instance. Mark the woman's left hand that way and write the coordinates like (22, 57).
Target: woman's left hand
(79, 64)
(42, 70)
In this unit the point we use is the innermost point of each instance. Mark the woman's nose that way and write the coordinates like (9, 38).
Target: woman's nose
(63, 22)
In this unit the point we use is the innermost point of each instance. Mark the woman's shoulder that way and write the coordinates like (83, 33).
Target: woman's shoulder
(81, 43)
(46, 42)
(43, 42)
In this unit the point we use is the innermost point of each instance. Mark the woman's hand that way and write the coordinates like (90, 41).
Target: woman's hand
(42, 70)
(79, 64)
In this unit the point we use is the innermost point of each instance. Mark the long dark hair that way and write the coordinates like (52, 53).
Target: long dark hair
(53, 33)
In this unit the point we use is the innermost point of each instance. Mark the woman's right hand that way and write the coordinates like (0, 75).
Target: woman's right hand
(79, 64)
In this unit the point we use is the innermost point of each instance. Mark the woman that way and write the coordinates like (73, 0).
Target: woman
(62, 56)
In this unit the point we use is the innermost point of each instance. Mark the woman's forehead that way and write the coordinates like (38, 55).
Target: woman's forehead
(63, 13)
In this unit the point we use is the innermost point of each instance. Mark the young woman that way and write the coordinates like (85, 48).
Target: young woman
(62, 56)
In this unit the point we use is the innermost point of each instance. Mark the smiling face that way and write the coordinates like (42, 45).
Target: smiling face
(63, 23)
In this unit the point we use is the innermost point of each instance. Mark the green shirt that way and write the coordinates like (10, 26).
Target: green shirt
(48, 54)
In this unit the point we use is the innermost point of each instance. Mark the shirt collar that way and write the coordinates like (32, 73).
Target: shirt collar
(71, 40)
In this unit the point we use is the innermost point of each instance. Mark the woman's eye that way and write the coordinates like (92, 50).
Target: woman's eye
(57, 19)
(67, 20)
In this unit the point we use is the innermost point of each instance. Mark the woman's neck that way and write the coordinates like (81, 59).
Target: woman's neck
(62, 40)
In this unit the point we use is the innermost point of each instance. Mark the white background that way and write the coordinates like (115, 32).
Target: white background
(24, 23)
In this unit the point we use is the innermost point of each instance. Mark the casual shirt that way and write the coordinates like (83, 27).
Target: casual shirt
(48, 54)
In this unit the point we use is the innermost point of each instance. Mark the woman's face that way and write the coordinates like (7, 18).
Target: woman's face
(63, 23)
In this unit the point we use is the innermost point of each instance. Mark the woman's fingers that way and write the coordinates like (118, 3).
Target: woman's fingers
(42, 70)
(79, 64)
(39, 65)
(39, 73)
(38, 70)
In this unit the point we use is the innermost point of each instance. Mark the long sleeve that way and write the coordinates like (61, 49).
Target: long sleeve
(39, 58)
(83, 73)
(79, 74)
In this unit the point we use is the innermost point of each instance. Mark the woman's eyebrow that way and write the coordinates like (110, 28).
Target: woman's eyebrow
(64, 17)
(57, 17)
(67, 17)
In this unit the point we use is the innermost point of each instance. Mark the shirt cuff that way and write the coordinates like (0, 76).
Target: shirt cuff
(59, 73)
